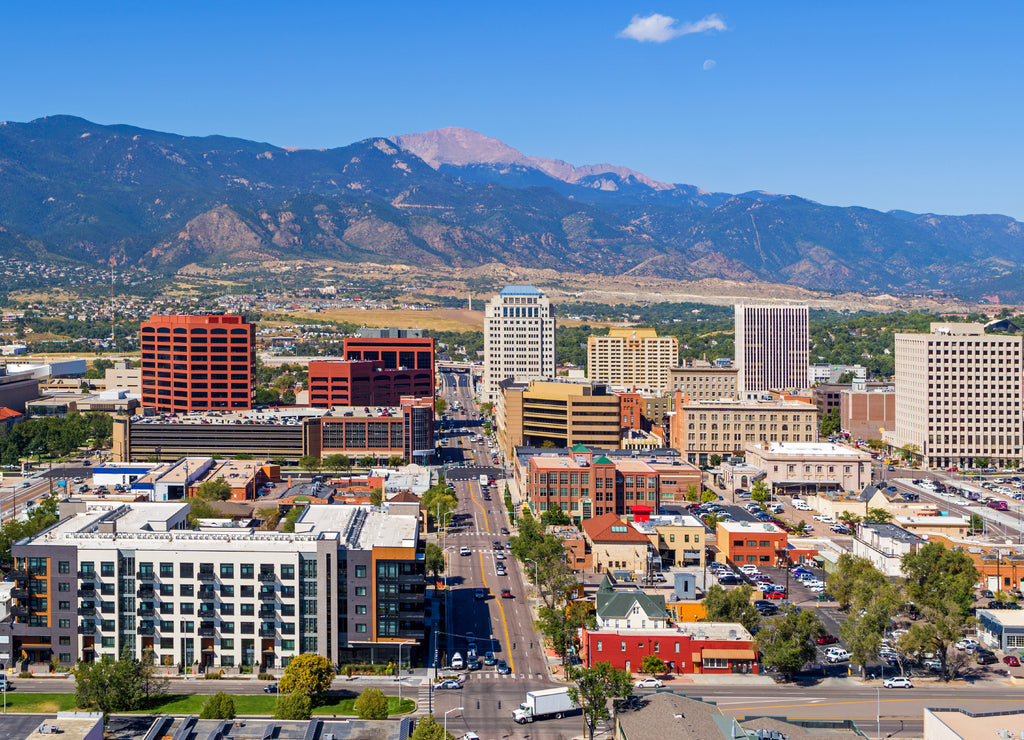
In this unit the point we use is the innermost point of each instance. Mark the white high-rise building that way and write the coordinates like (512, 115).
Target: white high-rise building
(958, 396)
(519, 338)
(772, 348)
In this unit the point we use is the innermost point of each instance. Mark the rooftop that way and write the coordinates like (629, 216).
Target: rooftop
(519, 290)
(359, 526)
(964, 724)
(73, 725)
(610, 528)
(1005, 617)
(933, 521)
(750, 527)
(809, 449)
(891, 531)
(652, 524)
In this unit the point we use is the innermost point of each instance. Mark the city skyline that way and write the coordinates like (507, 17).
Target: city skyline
(864, 106)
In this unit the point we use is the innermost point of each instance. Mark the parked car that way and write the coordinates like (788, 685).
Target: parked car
(826, 639)
(985, 658)
(897, 682)
(648, 683)
(270, 688)
(450, 683)
(1012, 660)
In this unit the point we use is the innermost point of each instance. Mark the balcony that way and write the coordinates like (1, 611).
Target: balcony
(207, 577)
(145, 611)
(267, 632)
(266, 577)
(267, 595)
(268, 613)
(19, 574)
(86, 629)
(145, 575)
(86, 575)
(89, 586)
(145, 592)
(146, 630)
(207, 612)
(207, 632)
(19, 593)
(86, 610)
(19, 611)
(207, 592)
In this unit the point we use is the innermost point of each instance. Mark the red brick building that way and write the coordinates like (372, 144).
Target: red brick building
(197, 363)
(406, 430)
(690, 647)
(751, 543)
(375, 372)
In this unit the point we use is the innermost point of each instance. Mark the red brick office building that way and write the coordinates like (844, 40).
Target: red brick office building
(197, 363)
(375, 372)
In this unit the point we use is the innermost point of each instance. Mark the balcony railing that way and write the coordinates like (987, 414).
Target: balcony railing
(145, 592)
(207, 632)
(209, 612)
(86, 575)
(266, 577)
(86, 629)
(146, 630)
(145, 575)
(206, 592)
(203, 576)
(267, 632)
(86, 610)
(88, 586)
(267, 595)
(145, 611)
(19, 574)
(267, 613)
(19, 593)
(19, 611)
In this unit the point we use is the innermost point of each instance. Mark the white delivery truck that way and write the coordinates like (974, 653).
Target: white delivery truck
(543, 704)
(483, 481)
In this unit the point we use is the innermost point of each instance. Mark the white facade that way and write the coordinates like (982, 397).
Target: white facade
(772, 348)
(884, 545)
(519, 338)
(958, 396)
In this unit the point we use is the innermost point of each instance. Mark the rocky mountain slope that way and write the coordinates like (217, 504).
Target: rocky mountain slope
(74, 190)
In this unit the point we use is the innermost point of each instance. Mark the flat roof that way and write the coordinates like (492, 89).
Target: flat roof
(361, 526)
(633, 466)
(77, 727)
(981, 724)
(750, 527)
(809, 449)
(519, 290)
(289, 414)
(696, 630)
(1005, 617)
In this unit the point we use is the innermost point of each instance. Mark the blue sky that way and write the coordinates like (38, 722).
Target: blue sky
(887, 105)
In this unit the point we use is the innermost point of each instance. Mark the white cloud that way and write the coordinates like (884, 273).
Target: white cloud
(661, 28)
(708, 64)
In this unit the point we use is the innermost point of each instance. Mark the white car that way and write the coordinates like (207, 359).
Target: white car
(648, 683)
(899, 682)
(748, 569)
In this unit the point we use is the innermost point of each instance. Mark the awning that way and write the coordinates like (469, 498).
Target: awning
(732, 654)
(696, 658)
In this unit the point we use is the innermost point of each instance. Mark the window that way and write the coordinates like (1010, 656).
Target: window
(188, 627)
(287, 644)
(247, 570)
(227, 592)
(360, 628)
(227, 628)
(360, 571)
(64, 624)
(248, 592)
(167, 570)
(657, 647)
(716, 662)
(248, 628)
(360, 590)
(186, 570)
(247, 610)
(107, 570)
(360, 608)
(166, 627)
(107, 642)
(600, 646)
(227, 570)
(167, 643)
(64, 567)
(167, 589)
(287, 572)
(64, 606)
(166, 607)
(64, 587)
(227, 610)
(765, 543)
(622, 646)
(186, 607)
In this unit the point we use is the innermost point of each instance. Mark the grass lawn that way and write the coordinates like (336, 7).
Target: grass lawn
(193, 704)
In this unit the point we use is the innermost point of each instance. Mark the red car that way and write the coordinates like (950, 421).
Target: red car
(826, 639)
(1012, 660)
(775, 594)
(506, 593)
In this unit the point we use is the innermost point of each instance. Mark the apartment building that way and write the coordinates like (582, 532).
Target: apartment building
(197, 363)
(958, 396)
(347, 584)
(885, 545)
(772, 348)
(704, 428)
(564, 413)
(519, 338)
(632, 358)
(704, 383)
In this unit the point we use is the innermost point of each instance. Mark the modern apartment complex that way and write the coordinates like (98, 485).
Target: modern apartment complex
(704, 428)
(519, 338)
(375, 372)
(564, 413)
(958, 396)
(632, 358)
(197, 363)
(347, 584)
(772, 348)
(707, 383)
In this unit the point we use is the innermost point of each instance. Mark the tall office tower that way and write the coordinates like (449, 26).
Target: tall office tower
(632, 358)
(958, 396)
(375, 372)
(772, 347)
(519, 338)
(198, 363)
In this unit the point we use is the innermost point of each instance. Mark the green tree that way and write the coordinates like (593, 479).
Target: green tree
(759, 493)
(433, 559)
(592, 689)
(708, 496)
(846, 583)
(440, 406)
(309, 463)
(377, 496)
(266, 396)
(337, 463)
(487, 408)
(200, 509)
(295, 705)
(371, 704)
(439, 501)
(396, 461)
(309, 673)
(218, 706)
(830, 423)
(693, 493)
(714, 460)
(110, 685)
(846, 378)
(977, 523)
(941, 627)
(288, 523)
(876, 444)
(935, 576)
(428, 728)
(732, 606)
(288, 397)
(367, 461)
(981, 462)
(561, 625)
(850, 519)
(787, 641)
(555, 516)
(653, 665)
(877, 516)
(214, 490)
(270, 516)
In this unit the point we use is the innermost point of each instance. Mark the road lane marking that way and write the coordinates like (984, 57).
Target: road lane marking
(819, 703)
(501, 610)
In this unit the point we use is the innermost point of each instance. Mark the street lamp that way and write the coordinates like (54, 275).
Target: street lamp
(453, 709)
(536, 580)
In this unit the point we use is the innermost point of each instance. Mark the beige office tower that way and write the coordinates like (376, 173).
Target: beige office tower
(632, 358)
(772, 347)
(519, 338)
(958, 396)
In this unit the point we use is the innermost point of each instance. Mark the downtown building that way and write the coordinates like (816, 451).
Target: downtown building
(632, 358)
(200, 362)
(348, 584)
(772, 348)
(375, 372)
(958, 396)
(519, 338)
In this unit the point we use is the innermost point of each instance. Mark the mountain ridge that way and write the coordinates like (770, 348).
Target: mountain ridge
(75, 190)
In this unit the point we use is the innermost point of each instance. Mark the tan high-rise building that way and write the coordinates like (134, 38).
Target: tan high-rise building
(772, 348)
(632, 358)
(958, 396)
(519, 338)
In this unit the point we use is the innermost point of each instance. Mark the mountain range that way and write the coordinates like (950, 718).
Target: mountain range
(79, 191)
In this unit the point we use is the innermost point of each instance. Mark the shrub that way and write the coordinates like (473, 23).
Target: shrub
(293, 706)
(371, 704)
(265, 677)
(218, 706)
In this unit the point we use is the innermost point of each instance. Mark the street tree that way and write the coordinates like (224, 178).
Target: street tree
(337, 463)
(594, 687)
(214, 490)
(433, 559)
(864, 630)
(218, 706)
(440, 406)
(367, 461)
(759, 493)
(787, 641)
(429, 728)
(830, 423)
(652, 665)
(732, 606)
(877, 516)
(708, 496)
(309, 673)
(935, 576)
(940, 628)
(295, 705)
(853, 579)
(555, 516)
(309, 463)
(371, 704)
(714, 460)
(850, 519)
(110, 685)
(693, 493)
